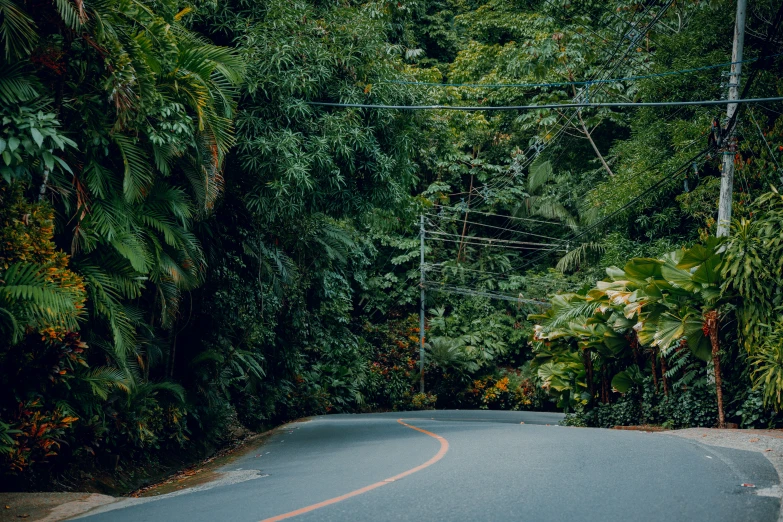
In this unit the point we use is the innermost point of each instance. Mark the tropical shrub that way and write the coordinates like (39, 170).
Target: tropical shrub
(507, 390)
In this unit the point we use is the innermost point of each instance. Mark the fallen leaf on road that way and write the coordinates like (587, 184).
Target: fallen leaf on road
(747, 485)
(768, 449)
(22, 516)
(704, 435)
(754, 439)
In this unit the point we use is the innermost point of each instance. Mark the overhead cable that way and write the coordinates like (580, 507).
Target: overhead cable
(580, 82)
(490, 239)
(490, 245)
(479, 293)
(504, 229)
(515, 218)
(544, 106)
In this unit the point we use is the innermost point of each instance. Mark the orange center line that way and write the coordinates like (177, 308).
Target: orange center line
(444, 447)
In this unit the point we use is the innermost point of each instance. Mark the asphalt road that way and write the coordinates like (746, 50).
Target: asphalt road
(471, 465)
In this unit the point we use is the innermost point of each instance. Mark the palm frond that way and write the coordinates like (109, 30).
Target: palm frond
(138, 175)
(17, 30)
(16, 85)
(579, 256)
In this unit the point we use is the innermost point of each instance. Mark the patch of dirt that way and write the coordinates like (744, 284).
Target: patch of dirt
(767, 442)
(58, 506)
(48, 507)
(206, 470)
(643, 427)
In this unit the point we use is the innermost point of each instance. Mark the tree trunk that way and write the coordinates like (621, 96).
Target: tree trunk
(653, 355)
(635, 346)
(44, 185)
(595, 148)
(588, 362)
(711, 321)
(589, 137)
(604, 386)
(664, 369)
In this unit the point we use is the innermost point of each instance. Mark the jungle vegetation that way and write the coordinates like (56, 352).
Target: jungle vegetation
(189, 247)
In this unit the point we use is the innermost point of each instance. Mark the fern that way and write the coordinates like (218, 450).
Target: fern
(579, 256)
(137, 172)
(17, 31)
(16, 85)
(28, 299)
(574, 310)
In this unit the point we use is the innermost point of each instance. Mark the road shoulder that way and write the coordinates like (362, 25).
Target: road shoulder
(769, 444)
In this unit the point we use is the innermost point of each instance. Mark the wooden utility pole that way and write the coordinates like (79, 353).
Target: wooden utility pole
(421, 306)
(728, 144)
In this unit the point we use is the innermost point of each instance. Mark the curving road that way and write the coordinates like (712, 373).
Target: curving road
(470, 465)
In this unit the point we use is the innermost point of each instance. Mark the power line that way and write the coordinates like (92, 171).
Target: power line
(580, 82)
(489, 245)
(765, 140)
(504, 229)
(606, 218)
(491, 239)
(515, 218)
(562, 130)
(546, 106)
(479, 293)
(459, 268)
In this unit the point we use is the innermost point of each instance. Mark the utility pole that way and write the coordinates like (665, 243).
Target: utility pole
(421, 308)
(728, 144)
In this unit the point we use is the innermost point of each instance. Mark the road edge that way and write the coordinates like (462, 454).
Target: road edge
(770, 447)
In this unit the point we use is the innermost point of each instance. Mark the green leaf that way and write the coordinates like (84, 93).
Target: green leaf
(699, 344)
(709, 271)
(669, 329)
(678, 277)
(48, 159)
(643, 268)
(616, 343)
(694, 256)
(13, 143)
(63, 164)
(37, 136)
(540, 173)
(626, 379)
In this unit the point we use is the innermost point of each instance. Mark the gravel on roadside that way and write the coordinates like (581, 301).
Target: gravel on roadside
(767, 442)
(48, 507)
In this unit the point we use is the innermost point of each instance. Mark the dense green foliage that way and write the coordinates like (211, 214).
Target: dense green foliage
(188, 246)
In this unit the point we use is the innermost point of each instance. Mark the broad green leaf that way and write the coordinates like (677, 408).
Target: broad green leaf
(709, 271)
(615, 273)
(678, 277)
(37, 136)
(616, 343)
(694, 256)
(48, 159)
(698, 343)
(643, 268)
(669, 329)
(540, 173)
(623, 381)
